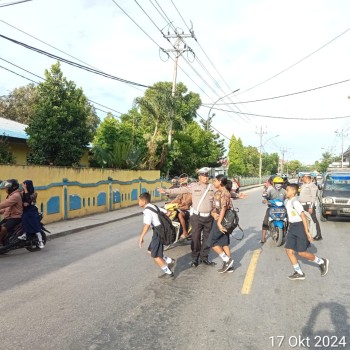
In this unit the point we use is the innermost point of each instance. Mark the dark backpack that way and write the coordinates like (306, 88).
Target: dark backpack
(231, 221)
(166, 231)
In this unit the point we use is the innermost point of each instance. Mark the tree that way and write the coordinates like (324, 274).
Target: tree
(270, 163)
(236, 157)
(294, 166)
(58, 129)
(19, 104)
(251, 161)
(6, 156)
(325, 161)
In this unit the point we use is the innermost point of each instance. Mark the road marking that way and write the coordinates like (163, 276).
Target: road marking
(248, 281)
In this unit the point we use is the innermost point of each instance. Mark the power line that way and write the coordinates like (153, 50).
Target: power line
(276, 117)
(14, 3)
(293, 65)
(91, 70)
(45, 79)
(214, 128)
(287, 95)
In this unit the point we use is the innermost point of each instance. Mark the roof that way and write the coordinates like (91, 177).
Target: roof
(11, 128)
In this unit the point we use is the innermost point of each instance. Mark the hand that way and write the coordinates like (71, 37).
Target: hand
(264, 201)
(242, 195)
(310, 239)
(222, 228)
(141, 242)
(161, 190)
(310, 210)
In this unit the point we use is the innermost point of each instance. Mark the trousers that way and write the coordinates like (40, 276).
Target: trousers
(201, 227)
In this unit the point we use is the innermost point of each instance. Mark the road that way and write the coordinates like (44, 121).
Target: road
(97, 290)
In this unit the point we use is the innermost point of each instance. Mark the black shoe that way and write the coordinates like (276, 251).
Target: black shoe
(230, 270)
(324, 267)
(296, 276)
(194, 263)
(208, 262)
(226, 265)
(167, 275)
(172, 263)
(318, 238)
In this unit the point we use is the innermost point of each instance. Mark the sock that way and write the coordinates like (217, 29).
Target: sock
(318, 260)
(40, 238)
(224, 257)
(297, 268)
(167, 259)
(166, 269)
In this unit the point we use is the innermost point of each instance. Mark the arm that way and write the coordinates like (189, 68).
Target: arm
(173, 192)
(9, 202)
(143, 233)
(221, 216)
(303, 217)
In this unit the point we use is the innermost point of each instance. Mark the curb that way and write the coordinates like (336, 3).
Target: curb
(87, 227)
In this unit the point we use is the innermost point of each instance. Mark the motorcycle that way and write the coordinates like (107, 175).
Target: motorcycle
(277, 221)
(31, 243)
(172, 212)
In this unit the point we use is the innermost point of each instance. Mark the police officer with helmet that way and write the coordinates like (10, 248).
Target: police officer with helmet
(273, 192)
(201, 219)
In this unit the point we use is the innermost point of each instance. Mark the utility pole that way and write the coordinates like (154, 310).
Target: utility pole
(261, 133)
(341, 134)
(283, 151)
(179, 47)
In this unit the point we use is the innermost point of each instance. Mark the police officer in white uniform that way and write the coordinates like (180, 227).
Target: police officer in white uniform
(308, 198)
(201, 219)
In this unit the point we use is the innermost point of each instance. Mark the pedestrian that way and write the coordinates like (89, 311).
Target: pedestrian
(201, 219)
(30, 219)
(298, 236)
(273, 192)
(219, 239)
(308, 199)
(155, 248)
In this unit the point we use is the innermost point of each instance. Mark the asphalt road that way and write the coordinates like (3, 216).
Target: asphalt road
(97, 290)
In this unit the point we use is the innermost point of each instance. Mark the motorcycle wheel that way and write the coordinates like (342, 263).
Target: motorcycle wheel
(278, 236)
(35, 248)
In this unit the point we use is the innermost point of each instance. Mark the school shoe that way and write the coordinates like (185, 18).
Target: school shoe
(194, 263)
(226, 265)
(318, 238)
(22, 237)
(41, 245)
(208, 262)
(324, 267)
(296, 276)
(167, 276)
(230, 270)
(172, 263)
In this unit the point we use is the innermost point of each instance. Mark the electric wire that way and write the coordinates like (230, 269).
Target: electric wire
(286, 95)
(14, 3)
(214, 128)
(94, 102)
(61, 59)
(293, 65)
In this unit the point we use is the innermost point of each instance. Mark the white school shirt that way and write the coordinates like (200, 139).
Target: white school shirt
(150, 217)
(294, 210)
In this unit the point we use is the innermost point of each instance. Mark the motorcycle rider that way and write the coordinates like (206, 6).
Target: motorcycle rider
(273, 192)
(11, 209)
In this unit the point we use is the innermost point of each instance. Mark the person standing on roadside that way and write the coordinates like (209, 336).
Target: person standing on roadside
(201, 219)
(308, 198)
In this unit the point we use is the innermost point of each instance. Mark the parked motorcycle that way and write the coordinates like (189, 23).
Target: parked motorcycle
(173, 211)
(31, 243)
(277, 221)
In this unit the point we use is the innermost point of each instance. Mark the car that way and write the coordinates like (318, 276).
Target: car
(335, 195)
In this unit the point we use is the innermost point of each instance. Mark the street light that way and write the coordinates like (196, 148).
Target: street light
(232, 92)
(260, 154)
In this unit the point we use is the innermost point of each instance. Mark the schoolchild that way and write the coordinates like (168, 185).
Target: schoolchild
(219, 239)
(298, 236)
(155, 248)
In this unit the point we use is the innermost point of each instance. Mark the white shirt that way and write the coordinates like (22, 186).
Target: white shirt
(294, 210)
(150, 217)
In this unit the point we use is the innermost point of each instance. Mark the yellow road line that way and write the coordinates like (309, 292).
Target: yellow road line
(248, 281)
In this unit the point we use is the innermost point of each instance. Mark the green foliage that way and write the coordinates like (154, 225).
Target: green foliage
(294, 166)
(236, 157)
(19, 104)
(58, 130)
(325, 161)
(6, 156)
(269, 163)
(251, 161)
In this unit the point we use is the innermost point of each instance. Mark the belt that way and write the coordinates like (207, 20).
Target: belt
(201, 214)
(305, 203)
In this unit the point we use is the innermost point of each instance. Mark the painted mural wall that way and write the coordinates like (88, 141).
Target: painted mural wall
(65, 193)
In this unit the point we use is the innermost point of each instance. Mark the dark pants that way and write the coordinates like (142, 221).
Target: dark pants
(199, 246)
(314, 218)
(265, 225)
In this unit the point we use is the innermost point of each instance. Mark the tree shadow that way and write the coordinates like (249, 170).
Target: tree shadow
(335, 332)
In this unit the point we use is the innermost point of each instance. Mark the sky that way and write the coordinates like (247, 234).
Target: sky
(264, 48)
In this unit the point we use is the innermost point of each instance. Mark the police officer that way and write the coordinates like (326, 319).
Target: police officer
(308, 197)
(201, 219)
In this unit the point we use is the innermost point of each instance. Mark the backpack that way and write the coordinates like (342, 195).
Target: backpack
(231, 221)
(166, 231)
